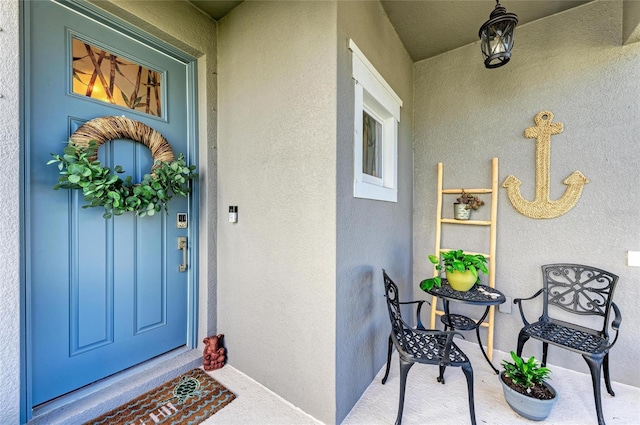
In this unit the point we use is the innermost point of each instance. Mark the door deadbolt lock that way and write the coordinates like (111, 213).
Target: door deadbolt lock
(182, 244)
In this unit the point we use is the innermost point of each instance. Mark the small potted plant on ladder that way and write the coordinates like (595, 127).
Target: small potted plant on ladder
(464, 204)
(525, 389)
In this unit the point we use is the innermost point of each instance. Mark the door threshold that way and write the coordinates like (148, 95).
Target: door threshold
(95, 399)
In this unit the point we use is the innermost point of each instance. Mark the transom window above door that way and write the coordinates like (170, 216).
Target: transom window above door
(106, 76)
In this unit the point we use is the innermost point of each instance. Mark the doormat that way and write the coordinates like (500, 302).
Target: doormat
(188, 399)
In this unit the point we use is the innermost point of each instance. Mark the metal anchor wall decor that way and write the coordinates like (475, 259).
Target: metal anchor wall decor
(542, 206)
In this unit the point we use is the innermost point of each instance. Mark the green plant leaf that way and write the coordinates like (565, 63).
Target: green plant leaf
(473, 271)
(428, 284)
(70, 150)
(458, 265)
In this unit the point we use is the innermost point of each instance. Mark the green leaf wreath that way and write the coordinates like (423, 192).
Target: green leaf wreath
(101, 186)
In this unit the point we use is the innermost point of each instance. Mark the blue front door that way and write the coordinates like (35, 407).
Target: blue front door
(103, 294)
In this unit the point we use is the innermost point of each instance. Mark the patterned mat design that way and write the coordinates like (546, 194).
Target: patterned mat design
(188, 399)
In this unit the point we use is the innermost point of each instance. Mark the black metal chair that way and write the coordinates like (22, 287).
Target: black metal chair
(419, 345)
(582, 291)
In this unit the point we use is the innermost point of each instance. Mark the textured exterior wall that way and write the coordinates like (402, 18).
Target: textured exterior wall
(573, 65)
(277, 132)
(10, 213)
(371, 235)
(631, 21)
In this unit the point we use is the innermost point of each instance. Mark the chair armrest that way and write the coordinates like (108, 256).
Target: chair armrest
(618, 319)
(615, 325)
(519, 302)
(418, 310)
(447, 346)
(448, 334)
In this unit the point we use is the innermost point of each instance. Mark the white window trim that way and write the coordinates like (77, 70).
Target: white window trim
(375, 96)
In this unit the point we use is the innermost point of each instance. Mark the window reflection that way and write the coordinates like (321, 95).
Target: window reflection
(371, 141)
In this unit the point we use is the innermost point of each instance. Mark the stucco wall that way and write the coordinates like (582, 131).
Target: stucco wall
(10, 213)
(631, 21)
(277, 132)
(573, 65)
(371, 235)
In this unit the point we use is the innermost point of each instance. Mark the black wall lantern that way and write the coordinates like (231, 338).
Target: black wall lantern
(496, 37)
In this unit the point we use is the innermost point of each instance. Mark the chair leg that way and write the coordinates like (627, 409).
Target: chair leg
(595, 365)
(404, 370)
(386, 374)
(441, 376)
(545, 349)
(607, 379)
(468, 373)
(522, 338)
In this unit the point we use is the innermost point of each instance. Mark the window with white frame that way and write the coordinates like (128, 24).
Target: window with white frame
(377, 114)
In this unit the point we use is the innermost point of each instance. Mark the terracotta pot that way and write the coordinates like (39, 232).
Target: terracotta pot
(461, 281)
(528, 407)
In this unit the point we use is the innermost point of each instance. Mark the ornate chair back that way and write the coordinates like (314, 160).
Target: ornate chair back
(395, 315)
(578, 289)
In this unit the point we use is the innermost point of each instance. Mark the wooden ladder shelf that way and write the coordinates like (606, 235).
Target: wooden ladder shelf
(491, 255)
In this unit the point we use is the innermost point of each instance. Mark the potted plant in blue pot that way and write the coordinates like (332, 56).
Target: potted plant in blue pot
(525, 388)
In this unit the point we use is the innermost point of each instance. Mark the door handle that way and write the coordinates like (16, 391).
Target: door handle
(182, 244)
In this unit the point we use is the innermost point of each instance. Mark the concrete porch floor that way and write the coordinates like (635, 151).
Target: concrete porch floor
(429, 402)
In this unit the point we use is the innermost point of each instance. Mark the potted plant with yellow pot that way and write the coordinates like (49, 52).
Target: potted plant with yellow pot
(461, 270)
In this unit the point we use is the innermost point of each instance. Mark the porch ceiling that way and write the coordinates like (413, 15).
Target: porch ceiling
(430, 27)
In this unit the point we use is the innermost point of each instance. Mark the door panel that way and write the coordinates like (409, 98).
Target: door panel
(104, 294)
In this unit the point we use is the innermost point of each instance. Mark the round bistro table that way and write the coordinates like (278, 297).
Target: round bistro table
(478, 295)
